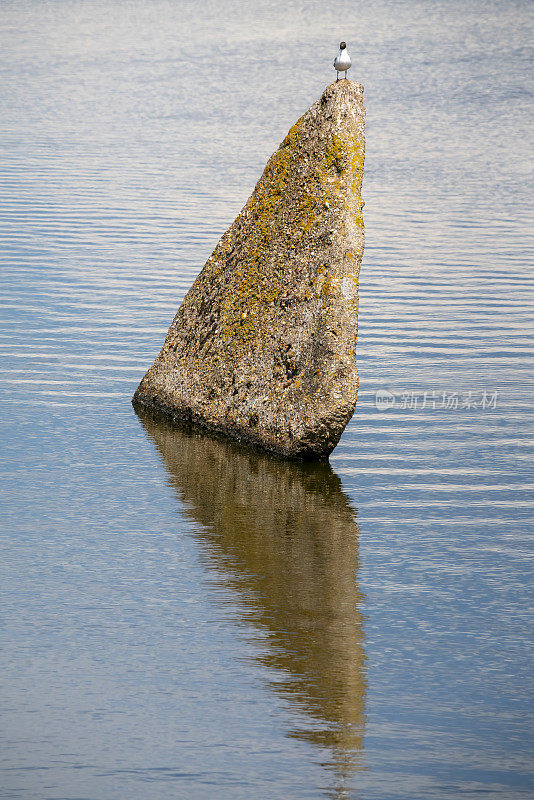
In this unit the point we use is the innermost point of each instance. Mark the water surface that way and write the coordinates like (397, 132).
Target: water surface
(182, 617)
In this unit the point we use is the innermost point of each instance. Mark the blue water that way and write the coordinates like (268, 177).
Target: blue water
(182, 617)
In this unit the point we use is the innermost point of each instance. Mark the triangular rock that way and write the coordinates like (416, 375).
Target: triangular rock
(263, 346)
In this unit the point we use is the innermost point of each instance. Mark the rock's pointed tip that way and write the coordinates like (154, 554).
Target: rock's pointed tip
(344, 85)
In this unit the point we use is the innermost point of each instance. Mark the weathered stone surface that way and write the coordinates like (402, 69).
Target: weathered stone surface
(263, 346)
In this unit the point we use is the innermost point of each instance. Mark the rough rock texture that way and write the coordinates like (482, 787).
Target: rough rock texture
(263, 346)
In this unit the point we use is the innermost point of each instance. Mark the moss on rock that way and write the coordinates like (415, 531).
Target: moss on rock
(262, 348)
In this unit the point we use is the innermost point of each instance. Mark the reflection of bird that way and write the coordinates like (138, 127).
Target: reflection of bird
(342, 61)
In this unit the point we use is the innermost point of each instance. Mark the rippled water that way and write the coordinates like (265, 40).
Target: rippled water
(184, 618)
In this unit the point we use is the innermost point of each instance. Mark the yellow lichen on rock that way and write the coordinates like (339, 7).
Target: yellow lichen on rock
(262, 347)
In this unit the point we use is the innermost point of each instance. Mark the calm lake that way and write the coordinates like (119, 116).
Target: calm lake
(183, 617)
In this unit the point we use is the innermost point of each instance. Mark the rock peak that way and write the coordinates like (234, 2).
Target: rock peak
(343, 85)
(263, 346)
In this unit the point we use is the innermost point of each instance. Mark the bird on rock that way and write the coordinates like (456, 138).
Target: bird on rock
(342, 61)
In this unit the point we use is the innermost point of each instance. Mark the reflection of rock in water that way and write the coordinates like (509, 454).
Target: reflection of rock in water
(284, 536)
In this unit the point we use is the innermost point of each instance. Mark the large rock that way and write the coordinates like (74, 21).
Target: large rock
(263, 346)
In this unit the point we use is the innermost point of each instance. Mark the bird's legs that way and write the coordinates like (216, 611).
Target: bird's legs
(337, 76)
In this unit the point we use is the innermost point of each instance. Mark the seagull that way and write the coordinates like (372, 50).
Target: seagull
(342, 62)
